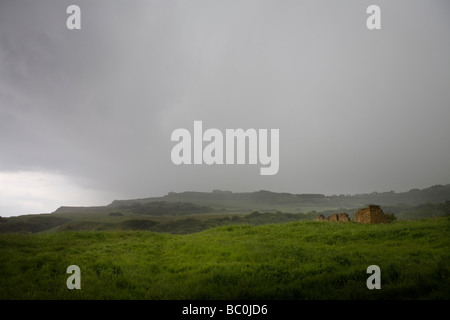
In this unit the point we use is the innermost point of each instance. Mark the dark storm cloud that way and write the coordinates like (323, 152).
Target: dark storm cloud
(357, 110)
(86, 103)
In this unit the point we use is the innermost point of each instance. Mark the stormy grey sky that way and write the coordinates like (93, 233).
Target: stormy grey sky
(86, 115)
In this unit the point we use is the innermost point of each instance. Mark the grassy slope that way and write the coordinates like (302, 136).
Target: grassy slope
(300, 260)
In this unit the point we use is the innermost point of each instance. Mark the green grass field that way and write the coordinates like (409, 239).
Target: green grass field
(297, 260)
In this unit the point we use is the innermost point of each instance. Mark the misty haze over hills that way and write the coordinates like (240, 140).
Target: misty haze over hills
(267, 200)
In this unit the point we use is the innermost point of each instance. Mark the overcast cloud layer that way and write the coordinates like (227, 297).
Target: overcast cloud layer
(86, 115)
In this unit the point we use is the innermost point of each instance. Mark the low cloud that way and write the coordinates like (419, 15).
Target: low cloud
(27, 192)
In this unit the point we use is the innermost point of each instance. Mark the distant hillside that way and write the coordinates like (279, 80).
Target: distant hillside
(188, 212)
(221, 201)
(31, 223)
(64, 209)
(261, 200)
(154, 208)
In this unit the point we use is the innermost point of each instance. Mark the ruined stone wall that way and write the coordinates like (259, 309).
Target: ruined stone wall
(378, 216)
(343, 217)
(372, 214)
(362, 216)
(340, 217)
(320, 218)
(333, 217)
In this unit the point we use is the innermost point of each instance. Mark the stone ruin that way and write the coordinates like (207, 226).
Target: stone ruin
(339, 217)
(372, 214)
(343, 217)
(320, 217)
